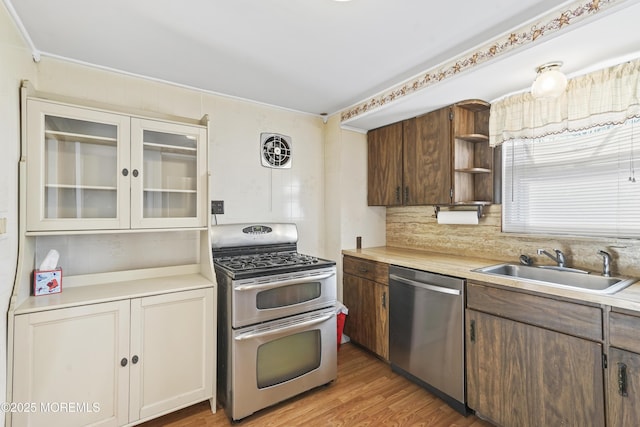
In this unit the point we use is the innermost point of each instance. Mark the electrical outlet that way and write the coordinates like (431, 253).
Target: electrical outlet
(217, 207)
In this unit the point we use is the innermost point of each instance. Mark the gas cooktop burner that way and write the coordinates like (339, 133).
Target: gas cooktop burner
(249, 251)
(265, 261)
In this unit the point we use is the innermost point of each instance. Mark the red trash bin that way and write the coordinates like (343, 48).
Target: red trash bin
(341, 316)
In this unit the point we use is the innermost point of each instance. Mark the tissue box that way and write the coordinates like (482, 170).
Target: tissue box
(47, 282)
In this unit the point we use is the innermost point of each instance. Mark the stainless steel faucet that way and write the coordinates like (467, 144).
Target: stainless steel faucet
(559, 258)
(606, 263)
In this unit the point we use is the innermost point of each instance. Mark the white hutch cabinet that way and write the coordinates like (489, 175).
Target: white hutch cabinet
(132, 334)
(90, 169)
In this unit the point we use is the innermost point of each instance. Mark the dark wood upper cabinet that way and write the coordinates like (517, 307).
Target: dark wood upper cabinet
(384, 177)
(440, 157)
(427, 158)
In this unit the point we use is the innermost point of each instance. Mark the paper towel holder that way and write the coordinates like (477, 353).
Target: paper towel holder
(476, 206)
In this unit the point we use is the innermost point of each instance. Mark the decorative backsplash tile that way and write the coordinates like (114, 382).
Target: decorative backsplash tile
(415, 227)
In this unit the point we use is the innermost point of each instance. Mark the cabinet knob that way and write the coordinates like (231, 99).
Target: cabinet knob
(125, 172)
(123, 362)
(135, 173)
(134, 359)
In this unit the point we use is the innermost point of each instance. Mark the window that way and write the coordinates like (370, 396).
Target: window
(577, 183)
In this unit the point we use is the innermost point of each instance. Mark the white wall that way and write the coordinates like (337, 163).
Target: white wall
(346, 211)
(252, 192)
(325, 198)
(357, 218)
(15, 65)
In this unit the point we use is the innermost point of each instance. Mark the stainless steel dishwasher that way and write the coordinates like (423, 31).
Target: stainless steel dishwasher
(426, 332)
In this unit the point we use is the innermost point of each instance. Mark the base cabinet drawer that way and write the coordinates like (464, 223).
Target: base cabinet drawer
(562, 316)
(624, 331)
(371, 270)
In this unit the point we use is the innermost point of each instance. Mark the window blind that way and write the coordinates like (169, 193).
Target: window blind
(578, 183)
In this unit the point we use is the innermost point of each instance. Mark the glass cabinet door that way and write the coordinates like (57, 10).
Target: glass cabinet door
(169, 167)
(76, 168)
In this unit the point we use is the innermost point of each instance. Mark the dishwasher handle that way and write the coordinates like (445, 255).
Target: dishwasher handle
(426, 286)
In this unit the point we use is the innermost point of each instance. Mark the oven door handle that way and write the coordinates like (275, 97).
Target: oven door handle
(284, 282)
(297, 326)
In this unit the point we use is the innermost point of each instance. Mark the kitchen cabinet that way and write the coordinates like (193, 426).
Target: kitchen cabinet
(119, 362)
(73, 355)
(427, 158)
(94, 169)
(365, 294)
(623, 381)
(409, 161)
(122, 198)
(472, 155)
(384, 162)
(623, 388)
(441, 157)
(533, 360)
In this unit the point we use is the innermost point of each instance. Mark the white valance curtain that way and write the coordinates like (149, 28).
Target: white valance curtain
(607, 96)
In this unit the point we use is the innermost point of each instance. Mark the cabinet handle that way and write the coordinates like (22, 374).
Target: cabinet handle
(472, 331)
(622, 379)
(135, 173)
(406, 194)
(363, 269)
(125, 172)
(384, 300)
(123, 362)
(398, 195)
(134, 359)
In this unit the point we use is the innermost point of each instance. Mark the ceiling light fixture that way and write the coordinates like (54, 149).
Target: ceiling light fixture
(550, 81)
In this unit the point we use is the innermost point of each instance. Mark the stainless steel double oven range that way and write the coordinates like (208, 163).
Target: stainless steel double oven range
(276, 317)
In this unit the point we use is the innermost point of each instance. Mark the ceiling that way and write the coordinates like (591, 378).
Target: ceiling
(322, 56)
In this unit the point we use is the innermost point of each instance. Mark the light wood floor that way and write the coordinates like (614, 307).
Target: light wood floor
(366, 393)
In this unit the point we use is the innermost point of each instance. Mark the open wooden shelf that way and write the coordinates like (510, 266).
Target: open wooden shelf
(474, 137)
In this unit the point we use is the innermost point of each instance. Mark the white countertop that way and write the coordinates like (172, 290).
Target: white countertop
(462, 266)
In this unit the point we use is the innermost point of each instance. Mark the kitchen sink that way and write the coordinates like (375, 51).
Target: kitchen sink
(562, 278)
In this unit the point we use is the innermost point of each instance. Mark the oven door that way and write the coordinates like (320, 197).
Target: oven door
(281, 359)
(265, 298)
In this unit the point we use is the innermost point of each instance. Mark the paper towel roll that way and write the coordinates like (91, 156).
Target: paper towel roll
(458, 217)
